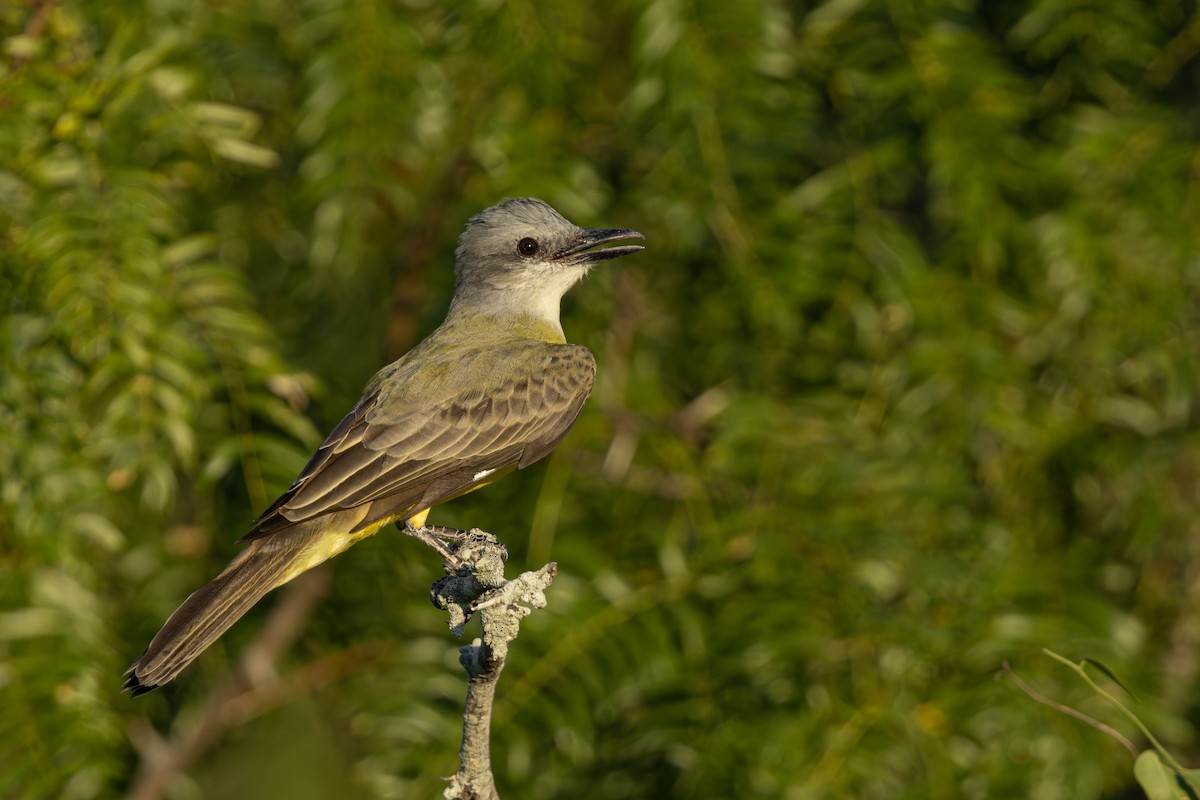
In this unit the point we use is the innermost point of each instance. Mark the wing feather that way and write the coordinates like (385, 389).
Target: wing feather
(412, 454)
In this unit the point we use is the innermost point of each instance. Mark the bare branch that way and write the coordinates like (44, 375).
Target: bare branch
(475, 583)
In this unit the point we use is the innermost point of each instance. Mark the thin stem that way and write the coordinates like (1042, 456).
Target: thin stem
(1070, 712)
(1081, 669)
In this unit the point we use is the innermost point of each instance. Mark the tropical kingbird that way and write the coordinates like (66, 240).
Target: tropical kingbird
(495, 388)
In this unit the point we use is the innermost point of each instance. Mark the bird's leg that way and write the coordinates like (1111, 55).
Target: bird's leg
(443, 540)
(448, 534)
(430, 537)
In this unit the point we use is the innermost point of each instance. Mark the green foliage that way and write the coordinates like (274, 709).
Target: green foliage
(134, 365)
(904, 386)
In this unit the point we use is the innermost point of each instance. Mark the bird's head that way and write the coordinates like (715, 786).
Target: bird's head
(525, 254)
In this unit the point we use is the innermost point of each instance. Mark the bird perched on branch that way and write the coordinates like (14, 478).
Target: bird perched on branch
(494, 389)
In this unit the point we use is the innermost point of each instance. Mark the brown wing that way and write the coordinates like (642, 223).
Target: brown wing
(409, 458)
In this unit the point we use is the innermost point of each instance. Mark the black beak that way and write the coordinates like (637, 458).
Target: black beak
(582, 252)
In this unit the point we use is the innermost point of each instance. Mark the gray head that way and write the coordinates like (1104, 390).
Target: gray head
(523, 255)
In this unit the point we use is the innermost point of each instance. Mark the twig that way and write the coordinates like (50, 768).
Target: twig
(1070, 712)
(475, 583)
(1081, 670)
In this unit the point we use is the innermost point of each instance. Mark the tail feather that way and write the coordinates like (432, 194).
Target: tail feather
(213, 608)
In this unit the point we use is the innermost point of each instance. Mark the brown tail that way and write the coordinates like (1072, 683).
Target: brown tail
(214, 607)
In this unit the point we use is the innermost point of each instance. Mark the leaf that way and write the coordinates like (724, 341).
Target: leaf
(1189, 781)
(244, 152)
(1162, 782)
(226, 119)
(1156, 778)
(1112, 676)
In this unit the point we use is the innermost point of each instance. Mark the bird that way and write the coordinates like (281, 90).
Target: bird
(493, 389)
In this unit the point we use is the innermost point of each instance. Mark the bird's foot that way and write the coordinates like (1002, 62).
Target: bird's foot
(474, 566)
(449, 542)
(431, 538)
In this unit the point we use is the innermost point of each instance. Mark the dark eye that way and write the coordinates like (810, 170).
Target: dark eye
(527, 246)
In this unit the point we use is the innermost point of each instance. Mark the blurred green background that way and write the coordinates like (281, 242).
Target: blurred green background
(904, 386)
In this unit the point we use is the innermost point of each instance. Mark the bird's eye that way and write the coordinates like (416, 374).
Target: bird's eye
(527, 247)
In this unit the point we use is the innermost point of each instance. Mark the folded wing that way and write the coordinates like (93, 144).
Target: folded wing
(404, 457)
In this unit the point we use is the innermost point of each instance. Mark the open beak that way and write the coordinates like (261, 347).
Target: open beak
(582, 253)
